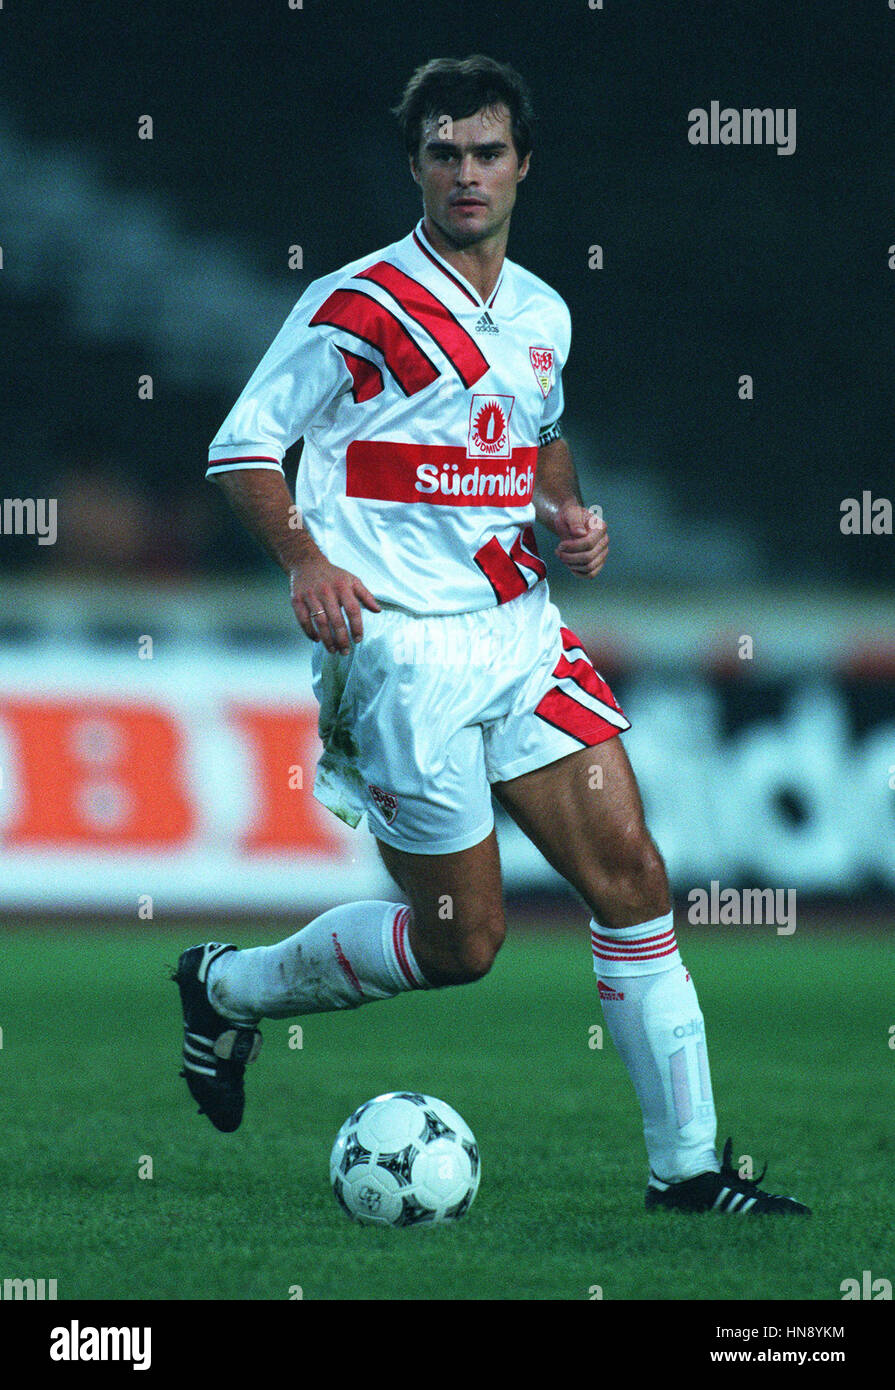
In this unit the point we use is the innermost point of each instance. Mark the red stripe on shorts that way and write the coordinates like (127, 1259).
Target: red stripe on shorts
(584, 675)
(565, 713)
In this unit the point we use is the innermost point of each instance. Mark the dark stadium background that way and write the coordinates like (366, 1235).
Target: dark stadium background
(169, 257)
(272, 128)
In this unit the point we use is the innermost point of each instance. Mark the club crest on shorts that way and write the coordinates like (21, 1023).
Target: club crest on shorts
(385, 801)
(489, 427)
(543, 368)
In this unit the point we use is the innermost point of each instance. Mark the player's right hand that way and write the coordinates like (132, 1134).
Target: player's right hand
(321, 594)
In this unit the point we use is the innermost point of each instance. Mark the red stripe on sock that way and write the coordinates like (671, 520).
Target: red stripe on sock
(654, 955)
(630, 947)
(399, 929)
(345, 963)
(631, 940)
(633, 955)
(638, 949)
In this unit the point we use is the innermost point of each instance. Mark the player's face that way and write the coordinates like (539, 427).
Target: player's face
(468, 171)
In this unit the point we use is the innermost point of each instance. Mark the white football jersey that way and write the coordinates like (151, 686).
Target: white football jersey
(422, 408)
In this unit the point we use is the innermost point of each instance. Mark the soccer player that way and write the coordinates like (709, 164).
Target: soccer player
(426, 381)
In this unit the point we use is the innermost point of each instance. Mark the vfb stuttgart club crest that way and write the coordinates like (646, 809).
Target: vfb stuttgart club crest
(386, 801)
(489, 427)
(542, 364)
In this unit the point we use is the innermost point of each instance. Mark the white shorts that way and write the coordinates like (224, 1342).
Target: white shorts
(422, 715)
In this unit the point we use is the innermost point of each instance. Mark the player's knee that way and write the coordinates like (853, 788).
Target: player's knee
(637, 857)
(652, 875)
(469, 955)
(633, 884)
(477, 955)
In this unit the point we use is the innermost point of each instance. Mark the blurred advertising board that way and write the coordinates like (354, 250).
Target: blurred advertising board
(183, 782)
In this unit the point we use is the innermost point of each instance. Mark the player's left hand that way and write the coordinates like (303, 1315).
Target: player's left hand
(584, 540)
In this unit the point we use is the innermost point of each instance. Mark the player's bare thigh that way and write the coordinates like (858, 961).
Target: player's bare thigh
(457, 921)
(585, 815)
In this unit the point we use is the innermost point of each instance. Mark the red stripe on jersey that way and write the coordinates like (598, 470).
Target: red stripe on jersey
(390, 471)
(245, 458)
(370, 321)
(433, 316)
(565, 713)
(366, 378)
(502, 574)
(524, 551)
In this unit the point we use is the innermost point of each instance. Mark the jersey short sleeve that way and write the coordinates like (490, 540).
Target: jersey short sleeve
(297, 378)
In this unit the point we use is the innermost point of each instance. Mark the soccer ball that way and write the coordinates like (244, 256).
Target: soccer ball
(404, 1159)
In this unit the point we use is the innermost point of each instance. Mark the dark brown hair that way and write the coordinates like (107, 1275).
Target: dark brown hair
(458, 87)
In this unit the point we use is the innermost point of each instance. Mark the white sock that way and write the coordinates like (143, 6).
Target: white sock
(344, 958)
(653, 1016)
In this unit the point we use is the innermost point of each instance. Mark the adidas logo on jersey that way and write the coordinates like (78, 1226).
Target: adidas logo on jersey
(486, 324)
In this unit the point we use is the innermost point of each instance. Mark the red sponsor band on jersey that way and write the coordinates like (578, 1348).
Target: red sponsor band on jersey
(442, 474)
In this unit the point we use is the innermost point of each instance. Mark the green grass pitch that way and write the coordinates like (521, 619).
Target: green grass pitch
(798, 1033)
